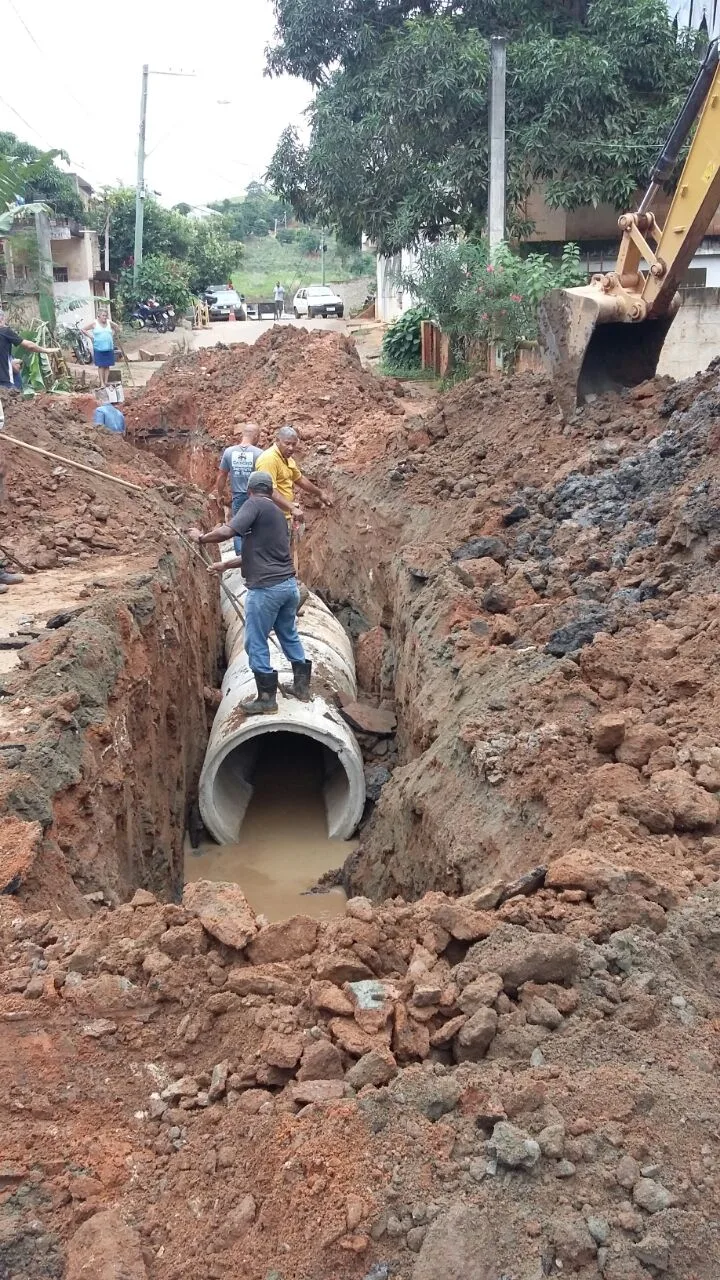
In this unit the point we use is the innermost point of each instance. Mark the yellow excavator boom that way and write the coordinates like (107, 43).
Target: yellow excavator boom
(610, 333)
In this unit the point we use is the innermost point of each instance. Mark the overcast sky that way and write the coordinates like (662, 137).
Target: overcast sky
(73, 74)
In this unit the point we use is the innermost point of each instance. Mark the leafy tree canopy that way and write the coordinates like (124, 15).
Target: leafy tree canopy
(399, 124)
(164, 232)
(42, 181)
(253, 214)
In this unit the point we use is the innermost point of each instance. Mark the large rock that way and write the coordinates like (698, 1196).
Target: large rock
(475, 1036)
(317, 1091)
(513, 1147)
(105, 1248)
(460, 1245)
(639, 743)
(608, 730)
(223, 910)
(377, 1068)
(464, 923)
(284, 940)
(321, 1061)
(520, 956)
(690, 805)
(278, 1050)
(482, 993)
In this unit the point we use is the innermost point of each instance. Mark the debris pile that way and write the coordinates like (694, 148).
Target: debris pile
(526, 1080)
(310, 379)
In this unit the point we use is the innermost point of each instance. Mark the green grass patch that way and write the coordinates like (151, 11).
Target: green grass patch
(266, 260)
(411, 374)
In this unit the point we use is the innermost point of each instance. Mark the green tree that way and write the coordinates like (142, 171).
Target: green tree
(42, 181)
(253, 214)
(161, 277)
(164, 232)
(399, 124)
(212, 257)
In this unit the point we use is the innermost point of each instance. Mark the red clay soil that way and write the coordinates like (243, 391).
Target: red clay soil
(311, 379)
(514, 1080)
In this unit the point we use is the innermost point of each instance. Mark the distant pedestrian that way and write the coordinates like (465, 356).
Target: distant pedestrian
(237, 464)
(272, 598)
(279, 296)
(102, 333)
(108, 415)
(10, 338)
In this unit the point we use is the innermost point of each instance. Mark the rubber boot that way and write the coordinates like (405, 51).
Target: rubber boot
(302, 672)
(266, 702)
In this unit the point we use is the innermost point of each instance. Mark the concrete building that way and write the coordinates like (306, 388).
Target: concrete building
(48, 268)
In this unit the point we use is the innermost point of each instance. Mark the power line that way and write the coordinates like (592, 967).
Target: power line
(83, 106)
(25, 122)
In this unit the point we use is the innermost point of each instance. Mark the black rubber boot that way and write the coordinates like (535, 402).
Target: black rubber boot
(302, 672)
(266, 702)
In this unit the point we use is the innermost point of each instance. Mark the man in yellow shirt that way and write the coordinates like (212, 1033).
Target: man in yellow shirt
(279, 462)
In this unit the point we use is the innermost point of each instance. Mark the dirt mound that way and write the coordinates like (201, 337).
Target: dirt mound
(57, 515)
(410, 1091)
(313, 380)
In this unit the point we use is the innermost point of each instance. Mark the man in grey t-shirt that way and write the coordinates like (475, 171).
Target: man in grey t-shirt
(238, 464)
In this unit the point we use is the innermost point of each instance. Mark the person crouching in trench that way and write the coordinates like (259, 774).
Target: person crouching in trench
(272, 597)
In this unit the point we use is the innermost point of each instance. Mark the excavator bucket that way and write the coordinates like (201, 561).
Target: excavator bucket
(587, 349)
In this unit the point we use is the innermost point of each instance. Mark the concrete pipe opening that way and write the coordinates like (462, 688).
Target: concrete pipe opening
(236, 741)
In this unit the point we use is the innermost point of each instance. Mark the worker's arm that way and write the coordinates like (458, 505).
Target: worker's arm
(302, 482)
(221, 486)
(292, 508)
(44, 351)
(221, 566)
(87, 327)
(221, 533)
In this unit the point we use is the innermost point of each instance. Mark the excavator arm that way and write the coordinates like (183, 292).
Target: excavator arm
(611, 332)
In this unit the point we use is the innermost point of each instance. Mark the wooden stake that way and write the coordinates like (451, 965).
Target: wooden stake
(67, 462)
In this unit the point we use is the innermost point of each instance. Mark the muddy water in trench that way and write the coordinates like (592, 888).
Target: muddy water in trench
(284, 847)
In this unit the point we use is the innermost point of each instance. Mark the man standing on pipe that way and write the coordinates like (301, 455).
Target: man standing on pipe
(272, 597)
(279, 462)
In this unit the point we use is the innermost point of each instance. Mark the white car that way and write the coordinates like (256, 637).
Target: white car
(317, 300)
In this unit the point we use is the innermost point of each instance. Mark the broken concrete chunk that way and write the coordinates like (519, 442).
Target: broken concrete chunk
(223, 910)
(368, 719)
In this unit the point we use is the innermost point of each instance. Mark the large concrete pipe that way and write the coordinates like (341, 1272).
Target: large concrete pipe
(236, 739)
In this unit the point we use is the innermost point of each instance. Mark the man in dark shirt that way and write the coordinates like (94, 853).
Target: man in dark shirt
(272, 597)
(10, 338)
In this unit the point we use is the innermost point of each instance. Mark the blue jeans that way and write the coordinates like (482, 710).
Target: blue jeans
(239, 499)
(272, 609)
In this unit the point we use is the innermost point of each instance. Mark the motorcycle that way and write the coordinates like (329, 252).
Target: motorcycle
(162, 319)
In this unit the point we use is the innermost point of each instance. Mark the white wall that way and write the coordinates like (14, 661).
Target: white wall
(73, 291)
(694, 337)
(391, 300)
(709, 262)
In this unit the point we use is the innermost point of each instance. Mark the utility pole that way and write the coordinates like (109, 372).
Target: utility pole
(140, 187)
(496, 193)
(106, 256)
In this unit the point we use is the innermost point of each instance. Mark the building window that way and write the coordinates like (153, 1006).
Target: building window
(695, 278)
(60, 275)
